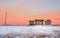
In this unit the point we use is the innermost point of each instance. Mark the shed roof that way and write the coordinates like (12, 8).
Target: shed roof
(39, 20)
(48, 20)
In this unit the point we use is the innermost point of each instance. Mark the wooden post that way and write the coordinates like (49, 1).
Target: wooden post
(6, 18)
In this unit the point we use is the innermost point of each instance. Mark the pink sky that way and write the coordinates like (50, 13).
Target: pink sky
(21, 11)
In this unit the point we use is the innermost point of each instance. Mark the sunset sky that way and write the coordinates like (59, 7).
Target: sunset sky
(21, 11)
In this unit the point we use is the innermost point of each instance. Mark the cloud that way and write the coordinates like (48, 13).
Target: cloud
(57, 18)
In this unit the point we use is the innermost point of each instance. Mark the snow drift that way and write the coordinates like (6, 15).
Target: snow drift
(30, 31)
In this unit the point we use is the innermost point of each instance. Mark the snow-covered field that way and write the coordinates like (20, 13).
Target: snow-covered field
(30, 31)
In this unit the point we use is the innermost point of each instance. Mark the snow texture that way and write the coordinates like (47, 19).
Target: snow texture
(30, 31)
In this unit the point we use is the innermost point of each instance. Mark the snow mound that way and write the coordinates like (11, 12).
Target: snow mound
(30, 31)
